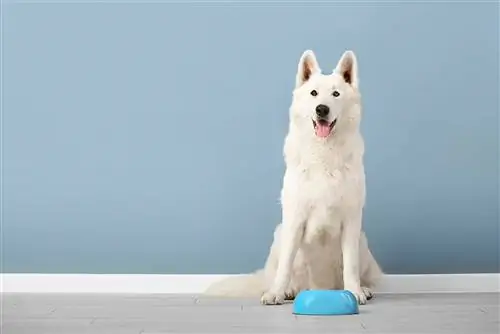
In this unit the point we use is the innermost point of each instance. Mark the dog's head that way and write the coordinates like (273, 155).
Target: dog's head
(321, 103)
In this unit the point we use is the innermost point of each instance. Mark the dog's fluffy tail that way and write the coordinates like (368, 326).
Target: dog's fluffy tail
(248, 285)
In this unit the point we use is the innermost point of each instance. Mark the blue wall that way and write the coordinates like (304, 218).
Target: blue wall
(147, 138)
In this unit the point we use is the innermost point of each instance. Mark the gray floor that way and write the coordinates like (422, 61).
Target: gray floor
(148, 314)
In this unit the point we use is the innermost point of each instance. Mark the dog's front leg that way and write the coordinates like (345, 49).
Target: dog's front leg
(291, 236)
(351, 233)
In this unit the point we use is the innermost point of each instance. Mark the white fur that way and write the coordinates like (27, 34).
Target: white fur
(320, 243)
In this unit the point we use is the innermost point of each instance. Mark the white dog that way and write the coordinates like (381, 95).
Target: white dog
(320, 243)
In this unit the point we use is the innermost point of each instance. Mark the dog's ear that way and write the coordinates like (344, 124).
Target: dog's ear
(347, 67)
(308, 65)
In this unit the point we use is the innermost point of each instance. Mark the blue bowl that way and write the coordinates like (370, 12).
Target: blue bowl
(325, 302)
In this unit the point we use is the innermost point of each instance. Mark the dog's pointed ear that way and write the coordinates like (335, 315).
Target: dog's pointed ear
(308, 65)
(347, 67)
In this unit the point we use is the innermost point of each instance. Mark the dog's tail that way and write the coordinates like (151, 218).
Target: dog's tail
(248, 285)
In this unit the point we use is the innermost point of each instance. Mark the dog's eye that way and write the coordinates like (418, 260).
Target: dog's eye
(314, 93)
(336, 93)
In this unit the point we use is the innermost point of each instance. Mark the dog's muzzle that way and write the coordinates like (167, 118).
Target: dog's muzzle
(322, 127)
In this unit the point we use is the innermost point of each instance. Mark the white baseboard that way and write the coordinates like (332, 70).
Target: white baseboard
(196, 284)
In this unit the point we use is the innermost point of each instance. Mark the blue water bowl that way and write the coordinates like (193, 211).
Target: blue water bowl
(325, 302)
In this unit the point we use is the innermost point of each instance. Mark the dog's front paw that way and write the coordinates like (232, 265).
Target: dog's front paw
(291, 293)
(358, 293)
(367, 292)
(271, 298)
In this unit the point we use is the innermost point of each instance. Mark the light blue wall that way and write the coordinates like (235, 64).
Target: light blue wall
(147, 138)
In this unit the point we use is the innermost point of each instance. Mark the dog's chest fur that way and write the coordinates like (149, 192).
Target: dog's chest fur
(325, 181)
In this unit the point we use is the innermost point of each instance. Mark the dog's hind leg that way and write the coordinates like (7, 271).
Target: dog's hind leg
(370, 270)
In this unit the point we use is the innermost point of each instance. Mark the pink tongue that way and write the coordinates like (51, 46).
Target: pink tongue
(322, 130)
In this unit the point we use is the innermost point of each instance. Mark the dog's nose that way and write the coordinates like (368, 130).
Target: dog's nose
(322, 110)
